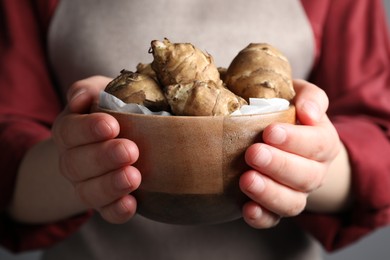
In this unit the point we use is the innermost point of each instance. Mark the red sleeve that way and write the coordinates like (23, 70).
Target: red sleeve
(352, 66)
(28, 107)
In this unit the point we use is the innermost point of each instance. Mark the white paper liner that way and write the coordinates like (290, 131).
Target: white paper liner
(262, 105)
(256, 106)
(111, 102)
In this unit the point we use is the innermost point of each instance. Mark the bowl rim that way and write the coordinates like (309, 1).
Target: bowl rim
(97, 108)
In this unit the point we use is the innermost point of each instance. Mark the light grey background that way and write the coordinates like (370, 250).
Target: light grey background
(374, 247)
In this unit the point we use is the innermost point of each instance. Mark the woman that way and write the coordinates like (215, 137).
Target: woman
(51, 181)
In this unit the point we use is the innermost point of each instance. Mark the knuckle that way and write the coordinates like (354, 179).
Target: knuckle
(61, 133)
(337, 147)
(117, 212)
(95, 192)
(81, 193)
(328, 147)
(319, 151)
(64, 165)
(67, 168)
(282, 165)
(296, 208)
(311, 182)
(56, 132)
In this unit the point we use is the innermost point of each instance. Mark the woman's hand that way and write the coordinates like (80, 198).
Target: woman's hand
(91, 157)
(292, 162)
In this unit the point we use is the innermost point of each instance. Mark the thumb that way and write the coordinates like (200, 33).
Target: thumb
(84, 93)
(310, 101)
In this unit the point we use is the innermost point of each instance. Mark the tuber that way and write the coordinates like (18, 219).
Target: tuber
(184, 80)
(132, 87)
(260, 71)
(202, 98)
(191, 80)
(176, 63)
(147, 69)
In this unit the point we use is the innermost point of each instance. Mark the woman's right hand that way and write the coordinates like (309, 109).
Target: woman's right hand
(98, 164)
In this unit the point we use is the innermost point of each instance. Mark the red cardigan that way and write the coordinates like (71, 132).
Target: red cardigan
(352, 66)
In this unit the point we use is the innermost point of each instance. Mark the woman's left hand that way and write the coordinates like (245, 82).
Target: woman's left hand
(292, 162)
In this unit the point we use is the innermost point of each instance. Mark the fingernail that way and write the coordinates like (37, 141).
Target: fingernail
(263, 157)
(121, 182)
(119, 154)
(257, 184)
(73, 96)
(102, 128)
(277, 135)
(123, 207)
(256, 213)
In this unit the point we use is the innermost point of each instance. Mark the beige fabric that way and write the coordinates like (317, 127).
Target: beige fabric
(145, 239)
(102, 37)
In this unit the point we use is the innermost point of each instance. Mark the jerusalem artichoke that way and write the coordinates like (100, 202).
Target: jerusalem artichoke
(191, 80)
(185, 80)
(177, 63)
(138, 88)
(260, 71)
(202, 98)
(147, 69)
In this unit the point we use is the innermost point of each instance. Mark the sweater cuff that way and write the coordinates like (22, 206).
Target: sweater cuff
(19, 237)
(368, 149)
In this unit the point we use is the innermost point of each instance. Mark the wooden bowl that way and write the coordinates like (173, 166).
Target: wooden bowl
(191, 166)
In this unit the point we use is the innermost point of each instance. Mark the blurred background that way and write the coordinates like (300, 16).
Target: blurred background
(374, 247)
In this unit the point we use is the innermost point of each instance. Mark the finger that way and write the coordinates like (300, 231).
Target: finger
(318, 143)
(271, 195)
(74, 129)
(310, 101)
(119, 211)
(291, 170)
(103, 190)
(93, 160)
(258, 217)
(82, 94)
